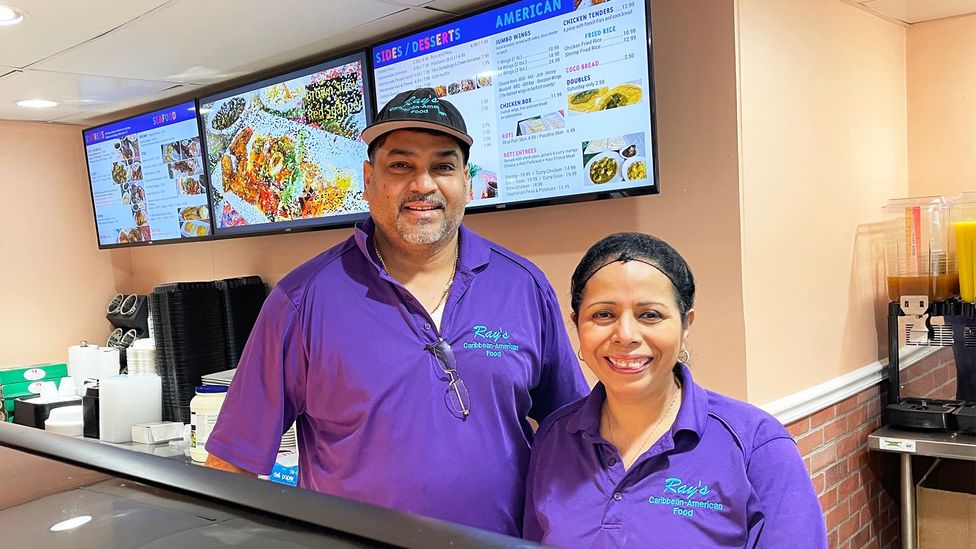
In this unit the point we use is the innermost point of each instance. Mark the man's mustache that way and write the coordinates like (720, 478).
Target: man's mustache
(426, 199)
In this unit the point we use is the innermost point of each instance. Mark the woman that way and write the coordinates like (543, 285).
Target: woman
(649, 458)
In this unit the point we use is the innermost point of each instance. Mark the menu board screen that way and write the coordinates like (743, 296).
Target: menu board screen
(147, 180)
(285, 153)
(557, 94)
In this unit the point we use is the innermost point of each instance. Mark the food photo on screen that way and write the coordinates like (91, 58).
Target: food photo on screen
(541, 123)
(127, 149)
(604, 98)
(136, 171)
(134, 234)
(229, 217)
(288, 150)
(191, 185)
(139, 215)
(137, 193)
(194, 221)
(484, 183)
(183, 168)
(614, 159)
(171, 152)
(121, 172)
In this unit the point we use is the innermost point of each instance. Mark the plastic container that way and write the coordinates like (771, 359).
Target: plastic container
(124, 401)
(204, 409)
(964, 233)
(65, 421)
(918, 258)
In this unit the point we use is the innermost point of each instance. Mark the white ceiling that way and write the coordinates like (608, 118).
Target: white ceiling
(100, 58)
(918, 11)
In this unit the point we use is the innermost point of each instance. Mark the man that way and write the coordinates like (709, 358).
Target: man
(410, 354)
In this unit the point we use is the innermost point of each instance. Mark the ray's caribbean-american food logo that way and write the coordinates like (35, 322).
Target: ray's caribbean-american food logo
(686, 498)
(494, 341)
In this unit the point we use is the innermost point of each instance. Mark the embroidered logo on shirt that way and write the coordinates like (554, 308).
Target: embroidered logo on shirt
(492, 340)
(686, 498)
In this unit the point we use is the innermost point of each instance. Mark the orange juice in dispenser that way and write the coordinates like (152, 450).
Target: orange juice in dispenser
(964, 231)
(918, 260)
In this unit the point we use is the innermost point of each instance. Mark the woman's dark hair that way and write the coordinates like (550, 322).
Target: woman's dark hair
(624, 247)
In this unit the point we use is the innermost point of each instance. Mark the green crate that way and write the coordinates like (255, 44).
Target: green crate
(33, 373)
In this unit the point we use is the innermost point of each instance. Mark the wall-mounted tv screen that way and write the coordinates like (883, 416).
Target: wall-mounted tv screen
(285, 153)
(558, 95)
(147, 180)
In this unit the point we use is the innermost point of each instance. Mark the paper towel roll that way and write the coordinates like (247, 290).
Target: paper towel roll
(125, 401)
(82, 362)
(108, 362)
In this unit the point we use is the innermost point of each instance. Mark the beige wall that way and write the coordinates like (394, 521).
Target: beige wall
(942, 106)
(823, 114)
(54, 283)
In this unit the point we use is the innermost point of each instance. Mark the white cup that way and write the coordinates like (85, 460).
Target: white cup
(66, 387)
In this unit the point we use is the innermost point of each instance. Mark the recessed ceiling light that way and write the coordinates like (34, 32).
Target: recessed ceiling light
(10, 16)
(36, 103)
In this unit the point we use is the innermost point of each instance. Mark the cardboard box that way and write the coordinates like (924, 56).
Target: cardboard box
(285, 469)
(157, 432)
(32, 373)
(946, 506)
(25, 388)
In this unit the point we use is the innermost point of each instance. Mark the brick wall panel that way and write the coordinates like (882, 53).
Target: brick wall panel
(823, 416)
(860, 513)
(833, 442)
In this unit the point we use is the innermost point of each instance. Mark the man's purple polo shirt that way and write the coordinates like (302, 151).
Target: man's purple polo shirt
(340, 346)
(727, 474)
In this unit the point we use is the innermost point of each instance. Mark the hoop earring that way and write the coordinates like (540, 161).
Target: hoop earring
(687, 355)
(579, 355)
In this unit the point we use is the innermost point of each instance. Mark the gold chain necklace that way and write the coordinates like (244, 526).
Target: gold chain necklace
(657, 423)
(457, 254)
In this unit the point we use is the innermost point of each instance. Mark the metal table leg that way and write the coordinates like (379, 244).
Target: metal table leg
(907, 503)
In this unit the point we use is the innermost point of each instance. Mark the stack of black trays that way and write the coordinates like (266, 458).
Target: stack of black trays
(200, 328)
(242, 301)
(189, 328)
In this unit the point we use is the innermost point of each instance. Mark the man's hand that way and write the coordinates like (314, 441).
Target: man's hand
(215, 462)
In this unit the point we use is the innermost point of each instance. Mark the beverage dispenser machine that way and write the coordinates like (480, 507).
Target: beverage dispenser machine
(922, 260)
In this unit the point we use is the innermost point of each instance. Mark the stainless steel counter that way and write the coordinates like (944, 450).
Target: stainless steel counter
(918, 443)
(61, 491)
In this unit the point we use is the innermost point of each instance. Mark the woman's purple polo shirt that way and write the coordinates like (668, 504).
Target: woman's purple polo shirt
(727, 474)
(340, 346)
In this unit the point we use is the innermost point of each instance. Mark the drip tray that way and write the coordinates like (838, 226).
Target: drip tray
(924, 414)
(966, 418)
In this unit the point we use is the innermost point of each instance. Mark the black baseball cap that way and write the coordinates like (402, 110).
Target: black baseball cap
(418, 109)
